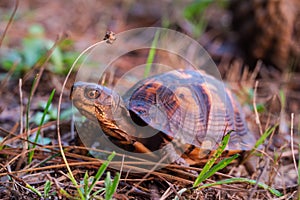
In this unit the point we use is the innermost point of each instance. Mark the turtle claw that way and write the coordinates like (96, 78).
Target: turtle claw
(172, 156)
(182, 162)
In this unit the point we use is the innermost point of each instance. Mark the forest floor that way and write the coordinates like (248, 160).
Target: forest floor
(36, 53)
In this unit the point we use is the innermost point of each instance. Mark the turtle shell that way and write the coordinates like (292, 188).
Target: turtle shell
(192, 107)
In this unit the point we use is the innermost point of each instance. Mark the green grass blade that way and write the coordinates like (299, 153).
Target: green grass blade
(116, 182)
(67, 195)
(111, 187)
(264, 136)
(260, 141)
(100, 171)
(151, 55)
(41, 123)
(97, 192)
(223, 163)
(243, 180)
(108, 184)
(282, 97)
(85, 183)
(33, 190)
(48, 159)
(47, 188)
(211, 161)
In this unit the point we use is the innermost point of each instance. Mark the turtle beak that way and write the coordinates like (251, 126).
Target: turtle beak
(71, 92)
(75, 90)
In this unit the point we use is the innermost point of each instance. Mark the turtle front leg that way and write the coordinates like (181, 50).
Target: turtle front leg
(172, 156)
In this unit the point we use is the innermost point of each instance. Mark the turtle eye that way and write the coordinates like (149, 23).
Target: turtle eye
(92, 93)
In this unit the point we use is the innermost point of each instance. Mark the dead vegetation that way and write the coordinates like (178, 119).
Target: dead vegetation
(270, 97)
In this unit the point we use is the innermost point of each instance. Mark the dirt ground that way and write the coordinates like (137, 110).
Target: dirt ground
(258, 59)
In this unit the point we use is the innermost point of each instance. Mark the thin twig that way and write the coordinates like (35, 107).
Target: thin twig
(21, 106)
(21, 136)
(9, 22)
(255, 109)
(292, 143)
(256, 71)
(170, 186)
(20, 161)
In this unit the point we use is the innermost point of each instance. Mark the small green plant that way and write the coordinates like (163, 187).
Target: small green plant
(34, 47)
(261, 141)
(111, 186)
(243, 180)
(40, 118)
(209, 170)
(33, 190)
(47, 188)
(195, 14)
(88, 184)
(51, 113)
(46, 194)
(40, 125)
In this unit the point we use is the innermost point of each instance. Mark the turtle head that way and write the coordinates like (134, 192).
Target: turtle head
(97, 102)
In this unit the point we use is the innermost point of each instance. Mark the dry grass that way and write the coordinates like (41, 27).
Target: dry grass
(276, 166)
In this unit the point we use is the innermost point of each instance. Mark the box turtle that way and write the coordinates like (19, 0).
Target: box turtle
(183, 112)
